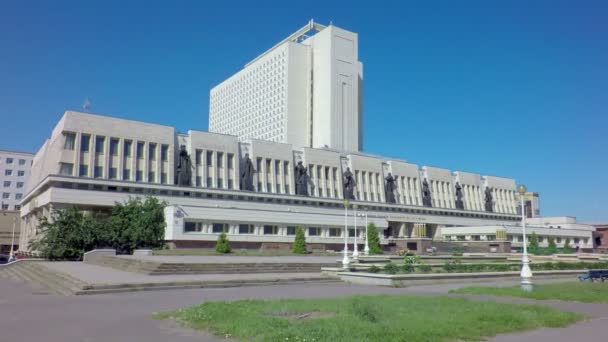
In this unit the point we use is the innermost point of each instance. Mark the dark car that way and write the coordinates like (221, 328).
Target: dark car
(3, 259)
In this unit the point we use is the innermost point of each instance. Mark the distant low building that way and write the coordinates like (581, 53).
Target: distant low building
(9, 223)
(601, 237)
(14, 173)
(531, 204)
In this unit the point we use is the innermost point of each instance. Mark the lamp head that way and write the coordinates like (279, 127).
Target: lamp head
(521, 189)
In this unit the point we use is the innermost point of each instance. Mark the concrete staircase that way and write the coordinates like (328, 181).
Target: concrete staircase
(41, 278)
(164, 268)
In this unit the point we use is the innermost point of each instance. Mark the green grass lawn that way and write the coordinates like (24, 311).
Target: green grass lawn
(575, 291)
(245, 252)
(367, 318)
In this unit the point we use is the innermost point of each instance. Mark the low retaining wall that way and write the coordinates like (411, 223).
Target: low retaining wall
(438, 278)
(96, 253)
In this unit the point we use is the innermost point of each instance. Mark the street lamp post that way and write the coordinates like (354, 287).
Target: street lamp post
(366, 249)
(526, 272)
(345, 260)
(11, 255)
(355, 248)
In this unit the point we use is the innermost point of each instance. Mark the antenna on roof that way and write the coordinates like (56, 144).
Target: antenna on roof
(86, 106)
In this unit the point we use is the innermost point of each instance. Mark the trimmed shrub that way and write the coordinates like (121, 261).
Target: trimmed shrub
(299, 244)
(223, 245)
(411, 259)
(407, 268)
(457, 251)
(567, 249)
(533, 244)
(552, 249)
(424, 268)
(391, 268)
(373, 240)
(374, 269)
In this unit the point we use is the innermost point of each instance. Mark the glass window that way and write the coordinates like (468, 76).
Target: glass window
(21, 161)
(99, 142)
(18, 196)
(7, 184)
(220, 183)
(163, 178)
(66, 169)
(6, 195)
(164, 151)
(140, 150)
(198, 180)
(220, 157)
(271, 230)
(230, 161)
(230, 184)
(314, 231)
(126, 174)
(209, 158)
(69, 139)
(128, 144)
(151, 177)
(9, 160)
(19, 185)
(114, 147)
(17, 207)
(113, 174)
(351, 233)
(4, 206)
(98, 172)
(152, 152)
(20, 173)
(8, 172)
(335, 232)
(85, 141)
(291, 230)
(220, 228)
(84, 170)
(198, 157)
(246, 229)
(209, 184)
(139, 175)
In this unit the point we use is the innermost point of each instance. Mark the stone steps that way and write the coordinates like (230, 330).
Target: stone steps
(153, 268)
(39, 277)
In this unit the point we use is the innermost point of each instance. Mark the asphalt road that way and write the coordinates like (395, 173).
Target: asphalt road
(28, 314)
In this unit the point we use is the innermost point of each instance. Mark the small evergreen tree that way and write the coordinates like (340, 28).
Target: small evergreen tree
(223, 245)
(533, 243)
(299, 244)
(552, 247)
(567, 248)
(373, 240)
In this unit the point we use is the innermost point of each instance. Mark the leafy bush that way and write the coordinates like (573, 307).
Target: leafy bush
(373, 240)
(222, 245)
(137, 223)
(552, 249)
(453, 265)
(424, 268)
(457, 251)
(299, 244)
(407, 268)
(533, 243)
(374, 269)
(412, 259)
(391, 268)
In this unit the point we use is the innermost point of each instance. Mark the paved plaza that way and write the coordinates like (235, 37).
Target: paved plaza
(32, 315)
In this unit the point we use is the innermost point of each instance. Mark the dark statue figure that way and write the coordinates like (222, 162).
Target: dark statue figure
(247, 172)
(389, 189)
(426, 194)
(349, 185)
(489, 200)
(184, 166)
(459, 202)
(301, 176)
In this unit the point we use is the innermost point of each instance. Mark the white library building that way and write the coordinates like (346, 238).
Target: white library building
(283, 151)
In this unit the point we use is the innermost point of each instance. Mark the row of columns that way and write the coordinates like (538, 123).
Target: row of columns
(326, 181)
(225, 172)
(504, 200)
(278, 175)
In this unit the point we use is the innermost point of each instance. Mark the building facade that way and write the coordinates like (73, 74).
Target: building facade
(531, 204)
(304, 91)
(92, 161)
(14, 175)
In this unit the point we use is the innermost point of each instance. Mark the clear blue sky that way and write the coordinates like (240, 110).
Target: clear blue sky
(516, 89)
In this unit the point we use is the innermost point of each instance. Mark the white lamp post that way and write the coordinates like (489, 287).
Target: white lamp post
(526, 272)
(355, 249)
(11, 255)
(366, 249)
(345, 260)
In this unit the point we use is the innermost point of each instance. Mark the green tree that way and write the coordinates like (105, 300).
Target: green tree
(222, 245)
(552, 249)
(137, 223)
(69, 233)
(533, 243)
(567, 249)
(299, 244)
(373, 240)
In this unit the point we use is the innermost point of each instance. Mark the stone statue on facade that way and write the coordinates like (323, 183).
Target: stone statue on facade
(389, 189)
(426, 194)
(247, 171)
(459, 202)
(301, 177)
(489, 201)
(184, 166)
(349, 185)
